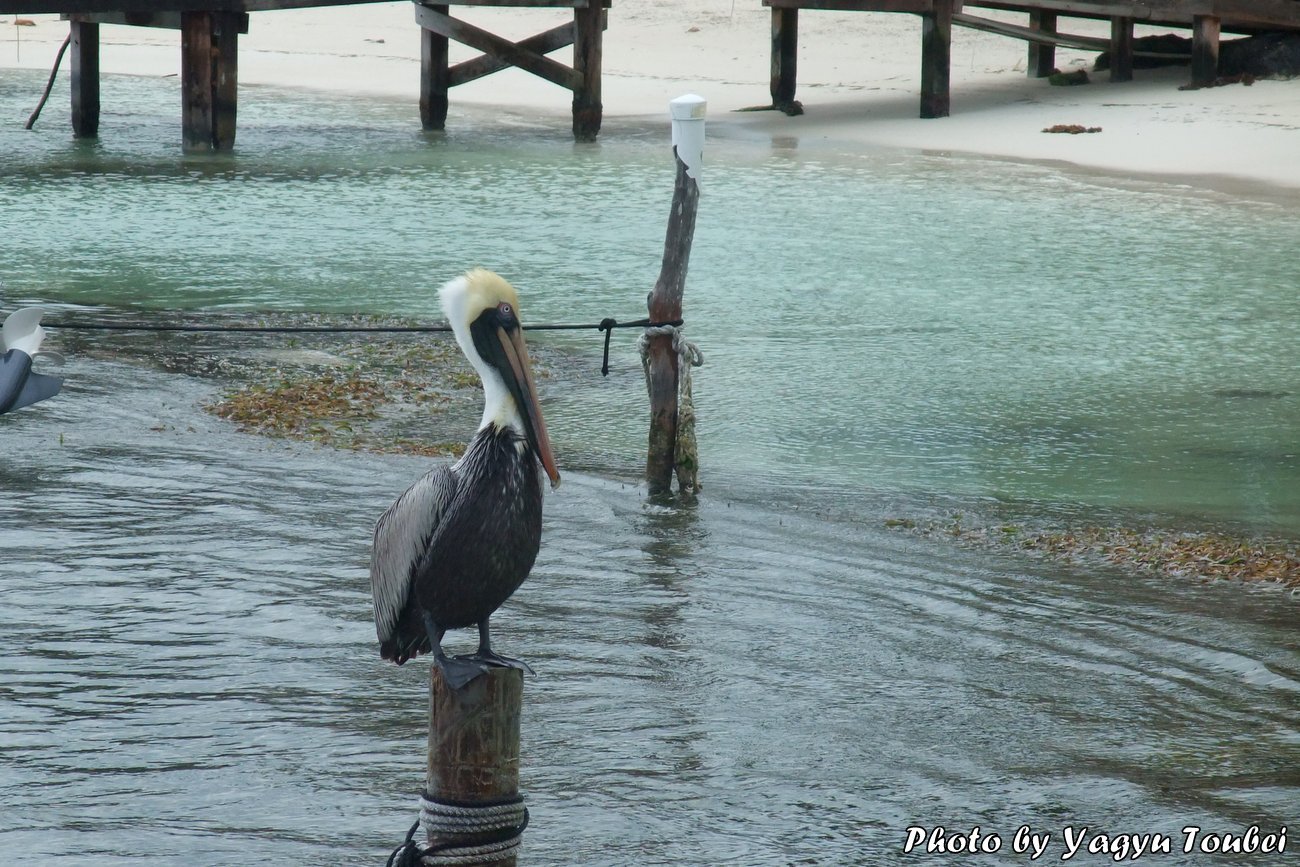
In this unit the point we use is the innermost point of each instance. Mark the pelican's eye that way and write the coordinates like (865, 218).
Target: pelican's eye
(507, 312)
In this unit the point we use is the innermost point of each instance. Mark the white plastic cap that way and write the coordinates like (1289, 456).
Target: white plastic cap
(688, 112)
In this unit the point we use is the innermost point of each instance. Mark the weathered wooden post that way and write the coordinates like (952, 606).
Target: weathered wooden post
(1042, 56)
(209, 79)
(1121, 49)
(435, 75)
(1205, 50)
(661, 353)
(785, 59)
(936, 59)
(588, 51)
(85, 79)
(471, 808)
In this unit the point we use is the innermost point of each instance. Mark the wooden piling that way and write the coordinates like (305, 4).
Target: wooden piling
(1205, 50)
(785, 59)
(1121, 49)
(936, 59)
(1042, 56)
(588, 49)
(474, 746)
(665, 305)
(85, 79)
(435, 75)
(209, 79)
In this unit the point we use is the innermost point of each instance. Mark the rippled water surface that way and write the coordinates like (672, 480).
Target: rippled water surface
(766, 677)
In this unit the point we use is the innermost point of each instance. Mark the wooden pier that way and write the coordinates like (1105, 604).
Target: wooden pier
(210, 31)
(1207, 19)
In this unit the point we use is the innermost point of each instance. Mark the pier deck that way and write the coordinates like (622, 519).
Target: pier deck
(1206, 19)
(210, 32)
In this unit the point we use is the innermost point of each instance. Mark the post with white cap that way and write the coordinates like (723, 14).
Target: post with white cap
(665, 302)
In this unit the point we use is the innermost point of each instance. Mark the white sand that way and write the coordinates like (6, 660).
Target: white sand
(858, 81)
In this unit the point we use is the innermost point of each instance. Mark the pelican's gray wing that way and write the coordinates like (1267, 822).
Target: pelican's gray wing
(402, 536)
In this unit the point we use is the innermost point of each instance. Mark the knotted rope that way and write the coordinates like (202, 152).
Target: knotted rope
(504, 821)
(686, 454)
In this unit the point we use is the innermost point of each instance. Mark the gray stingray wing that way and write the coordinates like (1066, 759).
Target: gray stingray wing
(402, 538)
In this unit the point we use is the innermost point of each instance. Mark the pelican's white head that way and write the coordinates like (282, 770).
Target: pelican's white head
(483, 311)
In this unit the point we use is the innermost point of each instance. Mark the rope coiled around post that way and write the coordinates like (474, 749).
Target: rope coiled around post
(686, 454)
(504, 820)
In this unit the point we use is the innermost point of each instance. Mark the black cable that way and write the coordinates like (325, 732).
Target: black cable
(604, 325)
(607, 325)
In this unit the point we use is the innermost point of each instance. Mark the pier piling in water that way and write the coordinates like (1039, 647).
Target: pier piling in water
(472, 791)
(665, 302)
(209, 79)
(85, 79)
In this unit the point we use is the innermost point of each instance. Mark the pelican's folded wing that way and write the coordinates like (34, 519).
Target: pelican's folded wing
(402, 536)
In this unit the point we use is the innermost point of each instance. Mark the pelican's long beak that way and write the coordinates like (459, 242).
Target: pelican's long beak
(523, 388)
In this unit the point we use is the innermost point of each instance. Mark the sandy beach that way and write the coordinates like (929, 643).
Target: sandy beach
(858, 81)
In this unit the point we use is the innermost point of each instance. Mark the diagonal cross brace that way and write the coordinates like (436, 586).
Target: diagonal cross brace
(502, 52)
(486, 64)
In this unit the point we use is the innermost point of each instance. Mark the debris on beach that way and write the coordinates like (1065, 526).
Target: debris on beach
(1241, 61)
(1068, 79)
(1071, 128)
(1222, 81)
(1208, 556)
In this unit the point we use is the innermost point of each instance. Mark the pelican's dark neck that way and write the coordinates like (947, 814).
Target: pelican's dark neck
(495, 449)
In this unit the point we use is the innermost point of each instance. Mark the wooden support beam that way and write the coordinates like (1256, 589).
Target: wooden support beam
(435, 76)
(1042, 56)
(85, 79)
(474, 747)
(1205, 50)
(785, 59)
(167, 19)
(588, 51)
(485, 64)
(430, 18)
(1121, 49)
(919, 7)
(936, 59)
(209, 80)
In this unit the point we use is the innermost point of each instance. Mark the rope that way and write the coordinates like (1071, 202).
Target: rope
(49, 85)
(686, 455)
(501, 822)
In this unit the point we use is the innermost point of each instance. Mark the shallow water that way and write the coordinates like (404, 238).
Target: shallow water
(769, 677)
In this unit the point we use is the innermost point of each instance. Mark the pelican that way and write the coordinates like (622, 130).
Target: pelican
(20, 341)
(461, 540)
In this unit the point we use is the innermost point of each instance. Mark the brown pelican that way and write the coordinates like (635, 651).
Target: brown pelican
(459, 541)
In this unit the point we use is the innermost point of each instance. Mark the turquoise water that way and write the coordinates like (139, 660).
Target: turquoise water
(871, 321)
(188, 670)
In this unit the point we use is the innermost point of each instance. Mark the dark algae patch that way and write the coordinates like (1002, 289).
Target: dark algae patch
(407, 393)
(1183, 554)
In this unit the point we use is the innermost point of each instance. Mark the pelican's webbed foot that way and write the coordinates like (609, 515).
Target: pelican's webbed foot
(460, 670)
(488, 656)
